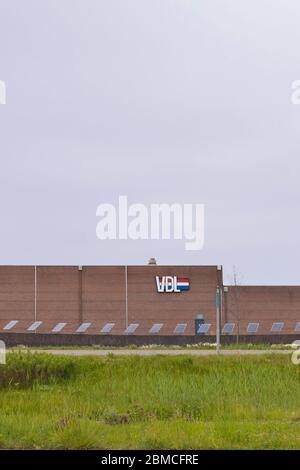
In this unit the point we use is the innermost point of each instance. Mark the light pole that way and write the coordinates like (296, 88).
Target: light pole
(218, 308)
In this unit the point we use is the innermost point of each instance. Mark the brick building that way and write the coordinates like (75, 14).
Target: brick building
(140, 300)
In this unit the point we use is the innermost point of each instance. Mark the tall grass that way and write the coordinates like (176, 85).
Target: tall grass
(150, 402)
(26, 369)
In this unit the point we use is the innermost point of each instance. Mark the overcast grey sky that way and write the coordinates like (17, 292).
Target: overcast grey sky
(163, 101)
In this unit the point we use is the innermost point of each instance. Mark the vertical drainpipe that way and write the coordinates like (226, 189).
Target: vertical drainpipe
(126, 297)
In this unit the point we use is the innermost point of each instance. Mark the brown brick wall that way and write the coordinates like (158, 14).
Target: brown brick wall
(97, 295)
(104, 297)
(58, 297)
(16, 295)
(264, 305)
(147, 306)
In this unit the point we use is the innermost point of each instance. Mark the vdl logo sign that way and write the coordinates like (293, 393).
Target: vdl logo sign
(172, 284)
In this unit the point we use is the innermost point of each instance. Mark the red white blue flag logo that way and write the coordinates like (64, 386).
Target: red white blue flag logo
(172, 283)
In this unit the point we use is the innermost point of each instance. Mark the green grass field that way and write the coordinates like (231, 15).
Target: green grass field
(149, 402)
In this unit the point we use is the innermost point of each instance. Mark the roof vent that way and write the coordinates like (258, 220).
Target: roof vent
(152, 261)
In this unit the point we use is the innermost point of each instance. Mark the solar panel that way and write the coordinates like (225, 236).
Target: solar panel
(107, 328)
(58, 327)
(277, 326)
(156, 328)
(252, 327)
(83, 327)
(228, 328)
(297, 327)
(204, 327)
(10, 324)
(180, 328)
(131, 328)
(34, 326)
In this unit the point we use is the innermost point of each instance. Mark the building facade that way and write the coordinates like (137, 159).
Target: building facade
(140, 300)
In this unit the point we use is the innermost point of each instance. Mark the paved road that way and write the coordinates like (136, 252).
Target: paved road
(155, 352)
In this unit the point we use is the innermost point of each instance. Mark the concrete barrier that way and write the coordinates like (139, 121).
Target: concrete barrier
(36, 339)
